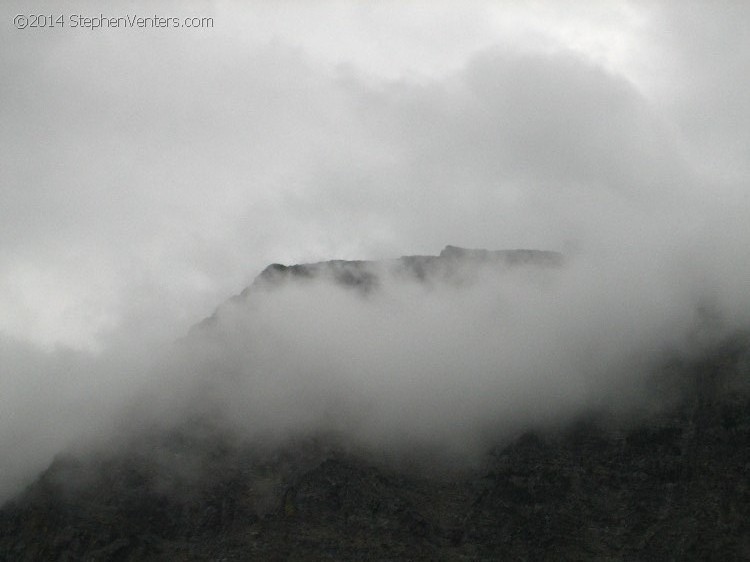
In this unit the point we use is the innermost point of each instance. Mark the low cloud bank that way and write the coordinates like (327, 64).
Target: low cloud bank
(447, 359)
(444, 363)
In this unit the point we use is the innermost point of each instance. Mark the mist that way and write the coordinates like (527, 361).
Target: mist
(451, 365)
(143, 186)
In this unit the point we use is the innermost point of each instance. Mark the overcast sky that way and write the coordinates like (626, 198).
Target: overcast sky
(148, 174)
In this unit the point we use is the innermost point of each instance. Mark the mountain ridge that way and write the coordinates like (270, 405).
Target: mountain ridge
(670, 484)
(364, 275)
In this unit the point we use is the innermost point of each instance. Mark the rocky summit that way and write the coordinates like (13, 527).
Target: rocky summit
(672, 484)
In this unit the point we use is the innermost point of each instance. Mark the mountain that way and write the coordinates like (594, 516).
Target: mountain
(454, 265)
(672, 484)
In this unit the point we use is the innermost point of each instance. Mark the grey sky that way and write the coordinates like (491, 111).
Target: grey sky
(148, 174)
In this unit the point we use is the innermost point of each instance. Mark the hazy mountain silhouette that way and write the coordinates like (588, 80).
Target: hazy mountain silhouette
(666, 484)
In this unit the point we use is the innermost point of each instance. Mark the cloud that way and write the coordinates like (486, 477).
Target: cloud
(52, 399)
(181, 175)
(699, 58)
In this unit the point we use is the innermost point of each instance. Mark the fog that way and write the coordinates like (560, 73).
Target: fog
(149, 176)
(450, 365)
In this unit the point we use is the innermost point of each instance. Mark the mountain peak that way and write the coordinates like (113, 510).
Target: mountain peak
(453, 265)
(364, 273)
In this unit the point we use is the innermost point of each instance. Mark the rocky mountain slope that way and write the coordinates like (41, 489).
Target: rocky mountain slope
(668, 485)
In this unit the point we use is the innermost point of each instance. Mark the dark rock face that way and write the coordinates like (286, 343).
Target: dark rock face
(676, 489)
(663, 492)
(673, 486)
